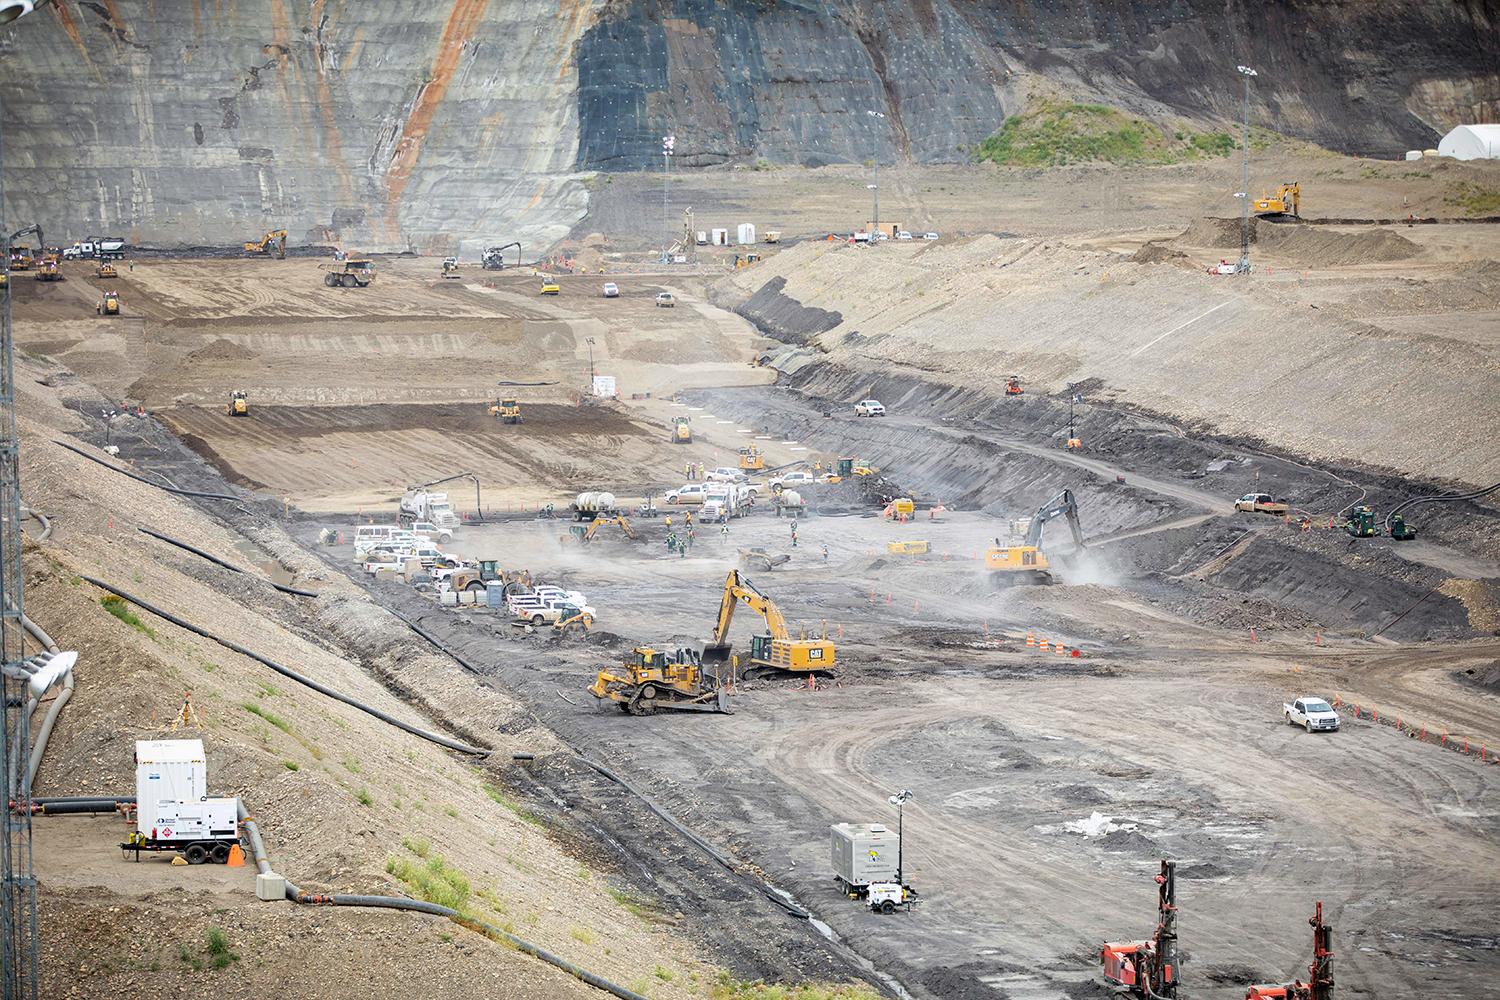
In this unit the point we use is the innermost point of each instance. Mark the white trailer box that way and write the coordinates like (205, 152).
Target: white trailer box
(863, 853)
(604, 385)
(703, 236)
(167, 771)
(721, 237)
(746, 233)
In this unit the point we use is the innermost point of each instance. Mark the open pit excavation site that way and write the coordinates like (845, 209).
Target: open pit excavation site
(532, 495)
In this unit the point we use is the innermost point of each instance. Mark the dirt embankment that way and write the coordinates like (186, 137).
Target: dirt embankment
(1256, 357)
(1313, 246)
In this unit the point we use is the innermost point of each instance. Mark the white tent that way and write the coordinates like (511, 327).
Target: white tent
(1472, 142)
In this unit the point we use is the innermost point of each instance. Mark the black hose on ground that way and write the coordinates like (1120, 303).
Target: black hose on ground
(1436, 499)
(288, 672)
(215, 559)
(141, 479)
(436, 643)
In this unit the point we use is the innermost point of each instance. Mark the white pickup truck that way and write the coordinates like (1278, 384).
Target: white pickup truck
(1313, 714)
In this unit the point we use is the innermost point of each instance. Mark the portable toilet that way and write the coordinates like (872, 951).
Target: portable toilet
(746, 233)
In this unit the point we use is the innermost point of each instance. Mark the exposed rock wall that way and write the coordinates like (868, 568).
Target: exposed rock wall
(386, 125)
(378, 125)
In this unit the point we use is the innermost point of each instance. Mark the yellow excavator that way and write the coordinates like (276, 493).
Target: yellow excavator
(239, 403)
(1286, 200)
(652, 681)
(273, 242)
(775, 651)
(1026, 562)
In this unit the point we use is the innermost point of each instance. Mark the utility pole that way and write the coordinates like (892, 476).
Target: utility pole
(668, 142)
(1244, 195)
(591, 365)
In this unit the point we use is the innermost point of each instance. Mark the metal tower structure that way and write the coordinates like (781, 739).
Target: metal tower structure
(18, 918)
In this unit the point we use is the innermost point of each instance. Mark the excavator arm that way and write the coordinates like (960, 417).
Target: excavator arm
(738, 590)
(28, 231)
(493, 258)
(1062, 505)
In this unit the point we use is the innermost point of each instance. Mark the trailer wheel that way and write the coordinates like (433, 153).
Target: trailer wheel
(887, 907)
(196, 854)
(221, 854)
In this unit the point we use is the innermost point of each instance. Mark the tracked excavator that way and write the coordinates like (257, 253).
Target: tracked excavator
(20, 257)
(1026, 562)
(586, 534)
(652, 681)
(774, 652)
(273, 242)
(1285, 200)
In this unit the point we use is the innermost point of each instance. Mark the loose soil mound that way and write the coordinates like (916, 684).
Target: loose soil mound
(1155, 253)
(1313, 245)
(221, 350)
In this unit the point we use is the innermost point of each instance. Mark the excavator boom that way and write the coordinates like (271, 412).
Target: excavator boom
(1062, 505)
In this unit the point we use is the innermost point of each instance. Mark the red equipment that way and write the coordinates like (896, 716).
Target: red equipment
(1013, 386)
(1148, 969)
(1320, 972)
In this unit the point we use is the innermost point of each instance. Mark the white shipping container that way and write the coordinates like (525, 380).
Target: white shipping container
(746, 233)
(721, 237)
(863, 853)
(167, 774)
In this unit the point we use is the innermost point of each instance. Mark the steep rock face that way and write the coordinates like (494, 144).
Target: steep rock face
(792, 80)
(385, 125)
(376, 125)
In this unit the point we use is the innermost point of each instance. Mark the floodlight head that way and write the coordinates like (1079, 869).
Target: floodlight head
(12, 9)
(1247, 71)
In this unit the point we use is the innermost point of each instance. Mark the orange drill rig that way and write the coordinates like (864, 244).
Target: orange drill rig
(1320, 972)
(1148, 969)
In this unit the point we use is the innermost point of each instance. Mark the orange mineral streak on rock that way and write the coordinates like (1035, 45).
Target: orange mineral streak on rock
(462, 21)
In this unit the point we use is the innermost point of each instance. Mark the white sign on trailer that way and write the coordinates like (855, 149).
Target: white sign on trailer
(604, 385)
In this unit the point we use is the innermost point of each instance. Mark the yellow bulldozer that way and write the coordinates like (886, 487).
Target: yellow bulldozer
(751, 458)
(775, 651)
(109, 305)
(1285, 200)
(106, 270)
(47, 268)
(1025, 562)
(682, 431)
(239, 404)
(652, 681)
(507, 411)
(273, 242)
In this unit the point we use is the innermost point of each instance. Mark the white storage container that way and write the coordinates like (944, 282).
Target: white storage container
(746, 233)
(721, 237)
(863, 853)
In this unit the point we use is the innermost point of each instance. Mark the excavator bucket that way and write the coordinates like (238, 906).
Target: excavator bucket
(717, 653)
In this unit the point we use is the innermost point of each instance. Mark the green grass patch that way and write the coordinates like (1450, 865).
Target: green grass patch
(120, 608)
(582, 935)
(364, 798)
(729, 988)
(291, 765)
(1055, 133)
(420, 846)
(432, 880)
(271, 717)
(520, 811)
(664, 974)
(1475, 200)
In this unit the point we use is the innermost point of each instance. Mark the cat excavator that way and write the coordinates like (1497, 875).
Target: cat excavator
(774, 652)
(1285, 200)
(273, 242)
(1026, 562)
(493, 258)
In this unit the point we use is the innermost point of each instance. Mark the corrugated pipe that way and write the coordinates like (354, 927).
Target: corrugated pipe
(39, 742)
(288, 672)
(215, 559)
(142, 479)
(40, 519)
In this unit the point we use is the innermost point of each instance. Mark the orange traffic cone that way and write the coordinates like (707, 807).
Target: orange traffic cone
(236, 857)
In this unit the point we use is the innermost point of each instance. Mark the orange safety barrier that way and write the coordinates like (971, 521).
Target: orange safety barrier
(1044, 645)
(1030, 639)
(1060, 649)
(1439, 738)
